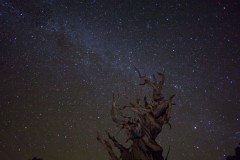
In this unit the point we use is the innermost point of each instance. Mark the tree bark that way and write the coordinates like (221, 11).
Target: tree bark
(151, 114)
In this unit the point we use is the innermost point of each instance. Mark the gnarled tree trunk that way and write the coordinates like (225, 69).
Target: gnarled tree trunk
(142, 129)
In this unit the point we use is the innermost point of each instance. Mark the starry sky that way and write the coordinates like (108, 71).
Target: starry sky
(60, 62)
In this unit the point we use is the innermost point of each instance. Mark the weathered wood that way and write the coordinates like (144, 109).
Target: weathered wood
(151, 114)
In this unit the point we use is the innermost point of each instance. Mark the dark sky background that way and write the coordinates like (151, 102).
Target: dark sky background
(61, 60)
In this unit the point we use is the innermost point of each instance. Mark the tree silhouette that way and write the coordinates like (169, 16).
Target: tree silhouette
(237, 154)
(143, 126)
(35, 158)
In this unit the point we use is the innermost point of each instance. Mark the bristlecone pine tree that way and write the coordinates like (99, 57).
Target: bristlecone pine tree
(142, 129)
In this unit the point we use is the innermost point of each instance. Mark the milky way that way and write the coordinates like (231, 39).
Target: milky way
(60, 62)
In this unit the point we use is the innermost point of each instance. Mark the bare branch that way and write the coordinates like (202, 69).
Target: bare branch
(144, 125)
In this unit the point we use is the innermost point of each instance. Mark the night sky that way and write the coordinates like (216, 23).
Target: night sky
(60, 62)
